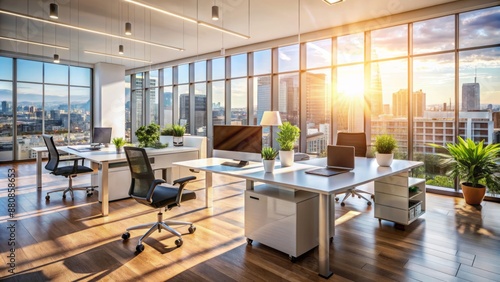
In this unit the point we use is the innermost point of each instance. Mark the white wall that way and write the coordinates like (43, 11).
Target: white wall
(109, 97)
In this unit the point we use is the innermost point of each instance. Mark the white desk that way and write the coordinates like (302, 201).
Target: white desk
(104, 157)
(294, 177)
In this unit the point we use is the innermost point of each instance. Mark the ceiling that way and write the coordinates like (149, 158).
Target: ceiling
(262, 20)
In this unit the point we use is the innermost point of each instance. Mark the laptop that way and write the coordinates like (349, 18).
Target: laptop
(339, 159)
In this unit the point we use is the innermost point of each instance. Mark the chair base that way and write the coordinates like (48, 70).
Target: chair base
(356, 192)
(159, 225)
(70, 189)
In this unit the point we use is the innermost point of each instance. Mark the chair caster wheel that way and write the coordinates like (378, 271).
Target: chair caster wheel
(369, 203)
(249, 241)
(337, 199)
(192, 229)
(139, 248)
(125, 235)
(373, 196)
(178, 242)
(342, 204)
(90, 194)
(292, 258)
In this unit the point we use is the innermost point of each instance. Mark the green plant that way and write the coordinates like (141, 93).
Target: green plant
(269, 153)
(385, 144)
(473, 163)
(149, 135)
(167, 131)
(119, 142)
(287, 136)
(178, 130)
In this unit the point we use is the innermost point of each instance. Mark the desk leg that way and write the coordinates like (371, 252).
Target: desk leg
(104, 189)
(324, 234)
(39, 170)
(209, 190)
(249, 184)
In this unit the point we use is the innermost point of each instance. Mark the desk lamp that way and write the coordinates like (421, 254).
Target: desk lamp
(270, 118)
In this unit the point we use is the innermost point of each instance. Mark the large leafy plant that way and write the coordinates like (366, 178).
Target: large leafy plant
(473, 163)
(287, 136)
(148, 136)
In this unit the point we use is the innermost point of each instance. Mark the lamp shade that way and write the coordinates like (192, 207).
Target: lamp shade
(271, 118)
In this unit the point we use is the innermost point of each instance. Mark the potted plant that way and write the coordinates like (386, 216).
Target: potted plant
(119, 142)
(384, 148)
(287, 136)
(477, 166)
(269, 155)
(178, 132)
(166, 135)
(148, 136)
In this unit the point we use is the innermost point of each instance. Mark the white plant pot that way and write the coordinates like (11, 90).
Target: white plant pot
(269, 165)
(286, 157)
(178, 141)
(167, 140)
(384, 159)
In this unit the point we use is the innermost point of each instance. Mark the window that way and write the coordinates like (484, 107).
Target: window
(288, 58)
(262, 62)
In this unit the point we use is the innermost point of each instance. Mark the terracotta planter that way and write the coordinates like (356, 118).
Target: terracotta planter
(268, 165)
(473, 195)
(384, 159)
(286, 157)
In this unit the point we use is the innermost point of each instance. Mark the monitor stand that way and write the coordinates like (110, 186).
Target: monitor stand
(233, 164)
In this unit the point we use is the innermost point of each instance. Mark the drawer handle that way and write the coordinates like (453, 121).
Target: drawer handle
(255, 198)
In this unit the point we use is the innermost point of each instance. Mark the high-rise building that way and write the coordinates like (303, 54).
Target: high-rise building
(418, 103)
(317, 104)
(376, 99)
(263, 96)
(400, 103)
(289, 99)
(470, 97)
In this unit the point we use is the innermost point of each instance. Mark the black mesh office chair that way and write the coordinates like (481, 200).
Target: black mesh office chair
(358, 140)
(69, 171)
(147, 190)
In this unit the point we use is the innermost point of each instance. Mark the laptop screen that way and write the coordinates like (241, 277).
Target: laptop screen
(340, 156)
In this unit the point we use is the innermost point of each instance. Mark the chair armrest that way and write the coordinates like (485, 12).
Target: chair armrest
(156, 182)
(184, 180)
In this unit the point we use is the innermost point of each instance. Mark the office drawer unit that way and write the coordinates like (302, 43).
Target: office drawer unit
(283, 220)
(394, 201)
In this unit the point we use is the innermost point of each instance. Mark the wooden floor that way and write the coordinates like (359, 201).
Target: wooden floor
(65, 240)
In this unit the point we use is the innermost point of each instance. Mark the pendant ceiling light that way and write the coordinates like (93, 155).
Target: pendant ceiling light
(128, 28)
(56, 59)
(330, 2)
(54, 11)
(215, 13)
(120, 49)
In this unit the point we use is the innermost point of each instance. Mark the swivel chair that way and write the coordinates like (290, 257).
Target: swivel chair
(69, 171)
(358, 140)
(147, 190)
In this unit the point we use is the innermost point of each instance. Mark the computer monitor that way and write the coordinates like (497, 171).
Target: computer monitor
(239, 142)
(101, 136)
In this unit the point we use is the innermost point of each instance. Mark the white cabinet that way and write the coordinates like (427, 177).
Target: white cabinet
(284, 220)
(396, 201)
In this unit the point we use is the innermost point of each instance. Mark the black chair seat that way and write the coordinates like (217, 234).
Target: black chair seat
(68, 170)
(167, 196)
